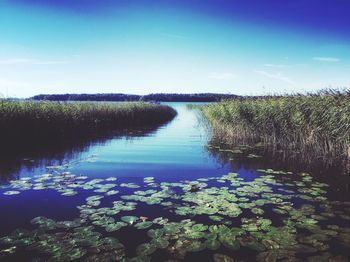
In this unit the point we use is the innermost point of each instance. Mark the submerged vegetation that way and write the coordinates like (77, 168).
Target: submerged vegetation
(315, 126)
(47, 120)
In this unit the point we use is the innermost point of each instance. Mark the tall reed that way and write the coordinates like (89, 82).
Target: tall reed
(54, 119)
(312, 124)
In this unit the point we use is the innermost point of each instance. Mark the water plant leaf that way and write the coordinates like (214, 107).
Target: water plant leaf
(216, 218)
(114, 226)
(144, 225)
(145, 249)
(69, 193)
(10, 193)
(212, 244)
(112, 192)
(129, 219)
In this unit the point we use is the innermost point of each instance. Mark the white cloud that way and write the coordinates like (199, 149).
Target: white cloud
(49, 62)
(276, 65)
(326, 59)
(278, 76)
(22, 61)
(14, 61)
(222, 75)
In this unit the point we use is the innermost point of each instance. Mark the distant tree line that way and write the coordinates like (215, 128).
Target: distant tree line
(87, 97)
(202, 97)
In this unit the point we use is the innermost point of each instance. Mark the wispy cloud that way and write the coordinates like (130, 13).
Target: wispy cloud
(222, 75)
(326, 59)
(25, 61)
(277, 65)
(278, 76)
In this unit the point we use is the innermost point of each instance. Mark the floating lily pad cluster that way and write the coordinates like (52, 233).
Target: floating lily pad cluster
(64, 183)
(277, 216)
(64, 241)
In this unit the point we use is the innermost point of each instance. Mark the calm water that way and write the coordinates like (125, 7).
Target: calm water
(175, 153)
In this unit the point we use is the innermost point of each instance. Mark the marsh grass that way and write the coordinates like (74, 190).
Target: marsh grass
(49, 120)
(315, 126)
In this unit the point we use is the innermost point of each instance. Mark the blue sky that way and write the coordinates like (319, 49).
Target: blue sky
(133, 46)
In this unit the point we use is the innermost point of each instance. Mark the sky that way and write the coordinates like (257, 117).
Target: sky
(249, 47)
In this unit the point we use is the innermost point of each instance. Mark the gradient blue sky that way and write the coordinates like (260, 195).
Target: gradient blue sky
(130, 46)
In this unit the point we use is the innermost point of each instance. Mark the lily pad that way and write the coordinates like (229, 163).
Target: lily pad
(144, 225)
(10, 193)
(129, 219)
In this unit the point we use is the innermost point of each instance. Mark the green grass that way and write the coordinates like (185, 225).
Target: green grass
(56, 119)
(316, 125)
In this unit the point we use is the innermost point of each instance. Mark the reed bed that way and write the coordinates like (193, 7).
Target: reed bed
(28, 120)
(313, 125)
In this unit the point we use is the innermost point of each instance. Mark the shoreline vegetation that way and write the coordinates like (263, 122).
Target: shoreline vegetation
(23, 120)
(313, 127)
(162, 97)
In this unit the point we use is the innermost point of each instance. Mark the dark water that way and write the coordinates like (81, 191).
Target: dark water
(176, 154)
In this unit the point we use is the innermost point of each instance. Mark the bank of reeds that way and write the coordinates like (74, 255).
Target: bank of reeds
(314, 125)
(49, 120)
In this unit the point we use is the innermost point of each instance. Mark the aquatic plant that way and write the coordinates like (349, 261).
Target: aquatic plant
(313, 125)
(234, 217)
(28, 120)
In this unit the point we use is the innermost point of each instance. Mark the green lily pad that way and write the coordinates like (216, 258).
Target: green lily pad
(115, 226)
(145, 249)
(144, 225)
(216, 218)
(112, 192)
(160, 243)
(257, 211)
(129, 219)
(69, 193)
(111, 179)
(212, 244)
